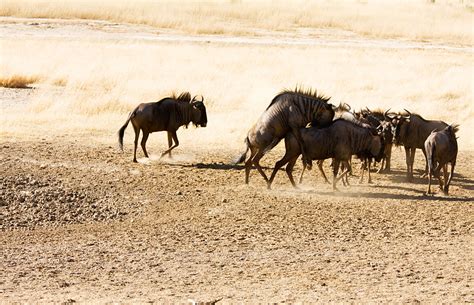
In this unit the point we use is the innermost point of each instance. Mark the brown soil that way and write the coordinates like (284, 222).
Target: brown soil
(81, 222)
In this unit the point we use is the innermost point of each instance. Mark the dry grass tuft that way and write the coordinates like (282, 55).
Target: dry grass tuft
(18, 81)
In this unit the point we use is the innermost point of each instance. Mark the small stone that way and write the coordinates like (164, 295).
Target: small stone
(179, 193)
(224, 200)
(43, 166)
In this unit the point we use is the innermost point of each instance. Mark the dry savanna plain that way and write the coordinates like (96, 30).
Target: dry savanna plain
(79, 222)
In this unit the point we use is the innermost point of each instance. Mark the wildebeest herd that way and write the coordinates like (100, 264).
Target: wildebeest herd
(315, 129)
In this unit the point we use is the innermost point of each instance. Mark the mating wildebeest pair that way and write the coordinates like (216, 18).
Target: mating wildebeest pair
(340, 140)
(168, 114)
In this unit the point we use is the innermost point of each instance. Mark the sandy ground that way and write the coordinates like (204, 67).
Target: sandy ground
(81, 223)
(157, 231)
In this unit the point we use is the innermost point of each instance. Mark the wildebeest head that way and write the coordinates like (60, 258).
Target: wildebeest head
(377, 147)
(199, 114)
(323, 116)
(385, 130)
(399, 123)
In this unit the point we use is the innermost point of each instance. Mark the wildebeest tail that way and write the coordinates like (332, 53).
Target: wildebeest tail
(244, 154)
(430, 153)
(121, 131)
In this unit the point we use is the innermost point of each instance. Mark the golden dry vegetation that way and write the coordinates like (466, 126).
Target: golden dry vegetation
(449, 21)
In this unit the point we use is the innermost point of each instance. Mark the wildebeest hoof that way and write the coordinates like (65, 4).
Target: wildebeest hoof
(135, 161)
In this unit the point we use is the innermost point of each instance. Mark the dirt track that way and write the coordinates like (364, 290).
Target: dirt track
(160, 231)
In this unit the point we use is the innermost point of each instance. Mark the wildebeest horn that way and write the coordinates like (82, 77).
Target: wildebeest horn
(386, 115)
(348, 106)
(368, 110)
(195, 100)
(409, 114)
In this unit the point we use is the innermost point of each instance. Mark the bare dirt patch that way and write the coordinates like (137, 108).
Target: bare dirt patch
(171, 232)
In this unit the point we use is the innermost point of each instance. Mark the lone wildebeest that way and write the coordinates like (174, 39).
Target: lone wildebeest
(340, 141)
(411, 131)
(168, 115)
(441, 148)
(287, 113)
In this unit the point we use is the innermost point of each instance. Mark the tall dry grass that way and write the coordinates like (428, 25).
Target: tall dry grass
(446, 21)
(102, 81)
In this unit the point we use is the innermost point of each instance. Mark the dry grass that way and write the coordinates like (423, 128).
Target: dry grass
(104, 81)
(18, 81)
(446, 21)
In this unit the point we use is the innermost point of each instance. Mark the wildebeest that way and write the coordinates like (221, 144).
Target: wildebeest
(411, 131)
(340, 141)
(168, 114)
(287, 113)
(377, 119)
(385, 129)
(441, 148)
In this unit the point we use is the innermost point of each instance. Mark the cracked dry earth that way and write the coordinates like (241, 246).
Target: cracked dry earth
(82, 223)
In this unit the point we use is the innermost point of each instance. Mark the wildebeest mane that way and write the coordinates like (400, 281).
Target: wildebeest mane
(183, 97)
(308, 93)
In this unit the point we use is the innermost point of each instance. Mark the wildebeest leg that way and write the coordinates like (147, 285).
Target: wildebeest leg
(437, 174)
(368, 169)
(346, 170)
(289, 170)
(143, 143)
(135, 143)
(320, 166)
(430, 172)
(363, 167)
(296, 132)
(335, 169)
(381, 165)
(302, 172)
(426, 164)
(176, 144)
(446, 184)
(279, 164)
(412, 161)
(170, 143)
(248, 164)
(445, 174)
(408, 153)
(387, 158)
(256, 161)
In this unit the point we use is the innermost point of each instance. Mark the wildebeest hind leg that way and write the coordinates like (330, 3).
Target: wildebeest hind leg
(279, 164)
(248, 164)
(256, 161)
(446, 184)
(289, 170)
(143, 143)
(320, 166)
(135, 142)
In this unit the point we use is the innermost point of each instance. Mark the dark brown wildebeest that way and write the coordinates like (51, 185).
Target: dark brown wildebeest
(377, 119)
(441, 148)
(385, 129)
(411, 131)
(168, 115)
(340, 141)
(287, 113)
